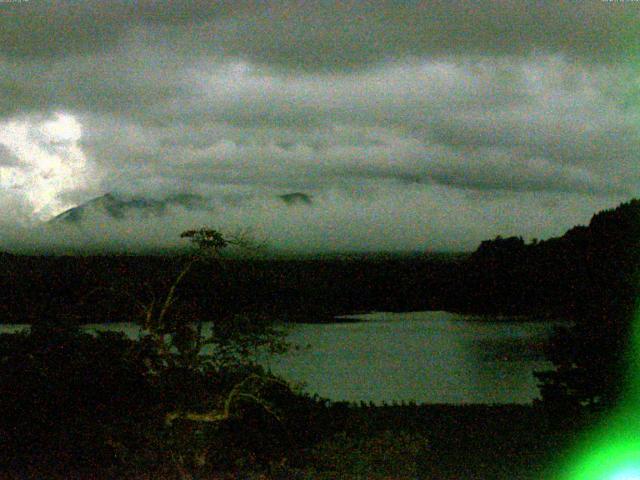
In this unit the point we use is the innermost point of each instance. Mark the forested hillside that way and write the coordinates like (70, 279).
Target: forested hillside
(589, 269)
(106, 288)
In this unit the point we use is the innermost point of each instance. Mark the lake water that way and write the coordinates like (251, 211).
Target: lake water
(427, 357)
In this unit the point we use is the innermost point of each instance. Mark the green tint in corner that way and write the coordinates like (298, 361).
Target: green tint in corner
(611, 450)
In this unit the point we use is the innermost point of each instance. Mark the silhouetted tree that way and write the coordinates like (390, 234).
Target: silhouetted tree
(227, 371)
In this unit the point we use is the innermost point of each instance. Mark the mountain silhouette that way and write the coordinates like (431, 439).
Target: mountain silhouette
(116, 206)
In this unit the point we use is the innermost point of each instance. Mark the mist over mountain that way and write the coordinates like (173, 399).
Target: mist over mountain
(125, 222)
(294, 221)
(119, 207)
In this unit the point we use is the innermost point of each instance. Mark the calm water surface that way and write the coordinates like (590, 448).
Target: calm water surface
(428, 357)
(431, 357)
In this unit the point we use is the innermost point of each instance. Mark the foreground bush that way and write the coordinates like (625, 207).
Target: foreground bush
(78, 402)
(73, 399)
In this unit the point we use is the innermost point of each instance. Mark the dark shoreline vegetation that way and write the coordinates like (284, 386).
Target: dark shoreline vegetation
(75, 405)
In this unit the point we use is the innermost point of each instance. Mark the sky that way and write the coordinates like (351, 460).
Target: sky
(415, 125)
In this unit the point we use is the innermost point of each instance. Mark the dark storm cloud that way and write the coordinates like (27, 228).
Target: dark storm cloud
(420, 121)
(117, 82)
(348, 34)
(49, 28)
(534, 175)
(319, 35)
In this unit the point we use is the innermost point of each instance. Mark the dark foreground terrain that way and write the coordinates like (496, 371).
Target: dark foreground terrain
(438, 442)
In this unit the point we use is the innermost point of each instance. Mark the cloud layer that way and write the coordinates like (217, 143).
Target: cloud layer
(430, 125)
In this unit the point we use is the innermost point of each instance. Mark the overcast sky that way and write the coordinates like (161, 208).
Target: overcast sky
(412, 125)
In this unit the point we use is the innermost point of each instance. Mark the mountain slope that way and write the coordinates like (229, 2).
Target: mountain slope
(118, 207)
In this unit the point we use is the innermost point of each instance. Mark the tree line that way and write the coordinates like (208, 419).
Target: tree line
(589, 275)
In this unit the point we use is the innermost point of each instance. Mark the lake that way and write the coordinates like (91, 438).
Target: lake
(426, 357)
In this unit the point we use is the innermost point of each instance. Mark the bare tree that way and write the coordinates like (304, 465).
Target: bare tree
(179, 342)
